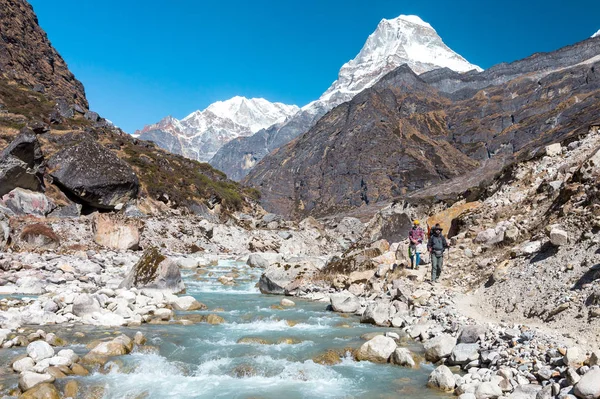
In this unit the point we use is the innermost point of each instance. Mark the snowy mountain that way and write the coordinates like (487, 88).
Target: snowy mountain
(406, 39)
(200, 134)
(596, 34)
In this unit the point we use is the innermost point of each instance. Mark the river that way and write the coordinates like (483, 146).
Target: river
(206, 361)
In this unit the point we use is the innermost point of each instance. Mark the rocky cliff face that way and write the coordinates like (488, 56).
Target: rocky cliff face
(54, 151)
(28, 58)
(199, 135)
(403, 40)
(407, 132)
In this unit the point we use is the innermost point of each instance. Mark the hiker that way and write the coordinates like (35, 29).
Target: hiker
(436, 245)
(416, 237)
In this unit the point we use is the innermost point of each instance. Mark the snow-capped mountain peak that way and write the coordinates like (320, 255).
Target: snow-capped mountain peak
(406, 39)
(200, 134)
(596, 34)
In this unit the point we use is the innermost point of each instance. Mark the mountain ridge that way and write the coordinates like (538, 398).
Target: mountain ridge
(405, 39)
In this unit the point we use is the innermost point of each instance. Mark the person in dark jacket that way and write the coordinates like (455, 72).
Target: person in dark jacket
(436, 246)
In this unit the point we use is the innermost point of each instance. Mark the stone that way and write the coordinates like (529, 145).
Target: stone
(559, 237)
(464, 353)
(71, 389)
(574, 357)
(378, 349)
(39, 236)
(588, 386)
(279, 277)
(287, 302)
(109, 349)
(378, 313)
(525, 391)
(20, 162)
(264, 260)
(84, 304)
(26, 202)
(214, 319)
(139, 338)
(78, 369)
(116, 232)
(344, 302)
(403, 357)
(187, 303)
(68, 354)
(553, 150)
(94, 174)
(155, 271)
(471, 334)
(39, 350)
(29, 379)
(439, 347)
(24, 364)
(488, 390)
(163, 314)
(43, 390)
(441, 378)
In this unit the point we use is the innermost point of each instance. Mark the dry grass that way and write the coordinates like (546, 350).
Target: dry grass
(31, 231)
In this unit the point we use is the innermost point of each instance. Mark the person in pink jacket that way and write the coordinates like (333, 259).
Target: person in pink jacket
(416, 235)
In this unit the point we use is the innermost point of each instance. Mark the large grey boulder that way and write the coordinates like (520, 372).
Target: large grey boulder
(155, 271)
(94, 174)
(263, 260)
(471, 334)
(27, 202)
(345, 302)
(20, 163)
(464, 353)
(488, 390)
(589, 385)
(439, 347)
(379, 313)
(378, 349)
(285, 276)
(84, 304)
(441, 378)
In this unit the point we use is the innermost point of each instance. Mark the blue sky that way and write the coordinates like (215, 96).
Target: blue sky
(143, 60)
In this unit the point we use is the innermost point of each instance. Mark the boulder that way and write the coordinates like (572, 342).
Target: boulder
(26, 202)
(39, 236)
(84, 304)
(115, 232)
(464, 354)
(287, 302)
(19, 164)
(441, 378)
(263, 260)
(42, 391)
(559, 237)
(588, 386)
(278, 278)
(525, 391)
(378, 349)
(488, 390)
(187, 303)
(403, 357)
(23, 364)
(110, 348)
(379, 313)
(574, 357)
(471, 334)
(29, 379)
(155, 271)
(39, 350)
(439, 347)
(94, 174)
(553, 150)
(344, 302)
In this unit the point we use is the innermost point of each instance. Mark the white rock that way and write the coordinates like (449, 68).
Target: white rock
(589, 385)
(403, 357)
(344, 302)
(439, 347)
(39, 350)
(488, 390)
(553, 150)
(24, 364)
(68, 354)
(30, 379)
(287, 302)
(559, 237)
(442, 378)
(379, 349)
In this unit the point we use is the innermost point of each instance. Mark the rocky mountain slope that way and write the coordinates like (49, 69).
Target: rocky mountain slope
(409, 132)
(28, 58)
(201, 134)
(56, 151)
(403, 40)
